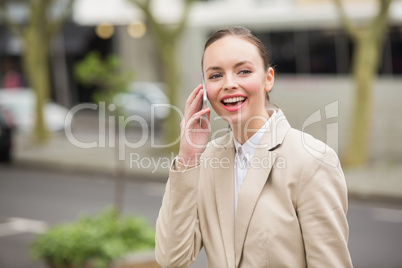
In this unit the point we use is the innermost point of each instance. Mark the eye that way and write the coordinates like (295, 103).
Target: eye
(214, 76)
(245, 71)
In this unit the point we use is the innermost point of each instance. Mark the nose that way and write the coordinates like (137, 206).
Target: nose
(230, 82)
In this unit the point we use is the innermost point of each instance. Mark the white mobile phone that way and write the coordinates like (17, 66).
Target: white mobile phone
(204, 96)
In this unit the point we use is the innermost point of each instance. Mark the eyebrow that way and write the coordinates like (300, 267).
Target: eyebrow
(240, 63)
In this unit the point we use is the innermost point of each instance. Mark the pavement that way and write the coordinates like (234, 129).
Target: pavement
(141, 162)
(379, 180)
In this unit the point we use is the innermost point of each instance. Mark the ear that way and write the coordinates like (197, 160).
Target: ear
(269, 81)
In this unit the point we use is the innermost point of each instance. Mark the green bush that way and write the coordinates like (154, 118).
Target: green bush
(105, 73)
(97, 240)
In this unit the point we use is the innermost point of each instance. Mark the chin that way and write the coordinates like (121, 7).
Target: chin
(233, 118)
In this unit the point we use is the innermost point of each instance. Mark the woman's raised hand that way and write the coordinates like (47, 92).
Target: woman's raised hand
(194, 135)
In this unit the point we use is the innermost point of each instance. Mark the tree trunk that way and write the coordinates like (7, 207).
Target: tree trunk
(36, 62)
(368, 43)
(171, 77)
(36, 34)
(365, 65)
(166, 40)
(119, 169)
(60, 70)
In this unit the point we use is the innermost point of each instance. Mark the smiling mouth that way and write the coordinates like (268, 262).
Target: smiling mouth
(232, 102)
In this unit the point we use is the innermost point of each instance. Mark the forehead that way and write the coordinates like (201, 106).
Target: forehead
(231, 49)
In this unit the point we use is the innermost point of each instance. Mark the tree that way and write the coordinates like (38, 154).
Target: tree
(368, 44)
(36, 35)
(166, 39)
(108, 77)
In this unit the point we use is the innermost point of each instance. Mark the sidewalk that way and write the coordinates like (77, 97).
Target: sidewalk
(379, 181)
(61, 154)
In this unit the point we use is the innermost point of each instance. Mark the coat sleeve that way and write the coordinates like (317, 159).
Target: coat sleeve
(321, 207)
(178, 237)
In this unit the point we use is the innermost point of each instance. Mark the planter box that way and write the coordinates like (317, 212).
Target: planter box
(144, 259)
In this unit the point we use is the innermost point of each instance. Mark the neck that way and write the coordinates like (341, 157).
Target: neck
(244, 131)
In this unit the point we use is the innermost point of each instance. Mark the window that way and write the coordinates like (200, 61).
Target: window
(282, 49)
(325, 51)
(396, 50)
(323, 58)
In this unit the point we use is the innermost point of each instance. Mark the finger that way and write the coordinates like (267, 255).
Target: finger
(194, 119)
(194, 106)
(193, 95)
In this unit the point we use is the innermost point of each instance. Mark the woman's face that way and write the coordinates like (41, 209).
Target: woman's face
(236, 81)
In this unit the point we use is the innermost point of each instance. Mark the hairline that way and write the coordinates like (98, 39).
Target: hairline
(240, 36)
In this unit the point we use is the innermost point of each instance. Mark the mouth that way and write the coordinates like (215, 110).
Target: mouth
(233, 103)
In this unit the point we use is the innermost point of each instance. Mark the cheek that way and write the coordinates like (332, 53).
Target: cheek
(212, 92)
(213, 97)
(254, 87)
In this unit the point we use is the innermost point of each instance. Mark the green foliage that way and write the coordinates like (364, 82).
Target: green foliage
(104, 73)
(98, 240)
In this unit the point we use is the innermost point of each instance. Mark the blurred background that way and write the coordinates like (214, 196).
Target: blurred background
(89, 89)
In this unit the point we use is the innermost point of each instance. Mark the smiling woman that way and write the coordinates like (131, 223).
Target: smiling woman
(272, 196)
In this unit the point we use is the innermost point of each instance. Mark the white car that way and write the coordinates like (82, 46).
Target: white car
(21, 103)
(146, 100)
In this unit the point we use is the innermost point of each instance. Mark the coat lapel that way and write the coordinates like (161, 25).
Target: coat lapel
(224, 191)
(233, 235)
(256, 178)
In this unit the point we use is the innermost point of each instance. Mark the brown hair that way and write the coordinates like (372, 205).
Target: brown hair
(244, 33)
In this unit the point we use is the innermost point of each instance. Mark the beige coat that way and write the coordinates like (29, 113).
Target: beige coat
(291, 209)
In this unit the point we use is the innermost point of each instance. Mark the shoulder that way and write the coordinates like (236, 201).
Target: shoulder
(308, 149)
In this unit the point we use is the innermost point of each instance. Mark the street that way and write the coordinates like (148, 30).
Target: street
(57, 196)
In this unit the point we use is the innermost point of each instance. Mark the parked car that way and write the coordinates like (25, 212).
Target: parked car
(21, 104)
(6, 135)
(146, 100)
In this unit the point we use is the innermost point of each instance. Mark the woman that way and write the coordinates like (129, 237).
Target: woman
(263, 195)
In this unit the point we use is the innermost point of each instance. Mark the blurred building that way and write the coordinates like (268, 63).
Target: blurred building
(304, 37)
(68, 47)
(307, 44)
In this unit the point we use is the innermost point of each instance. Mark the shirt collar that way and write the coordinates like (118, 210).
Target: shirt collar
(249, 147)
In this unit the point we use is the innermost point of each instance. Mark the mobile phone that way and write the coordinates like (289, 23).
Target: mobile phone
(204, 96)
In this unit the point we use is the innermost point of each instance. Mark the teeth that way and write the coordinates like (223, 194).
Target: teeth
(233, 100)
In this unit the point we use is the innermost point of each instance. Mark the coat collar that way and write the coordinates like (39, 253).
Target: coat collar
(274, 134)
(234, 234)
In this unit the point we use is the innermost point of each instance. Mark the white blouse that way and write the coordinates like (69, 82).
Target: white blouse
(243, 156)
